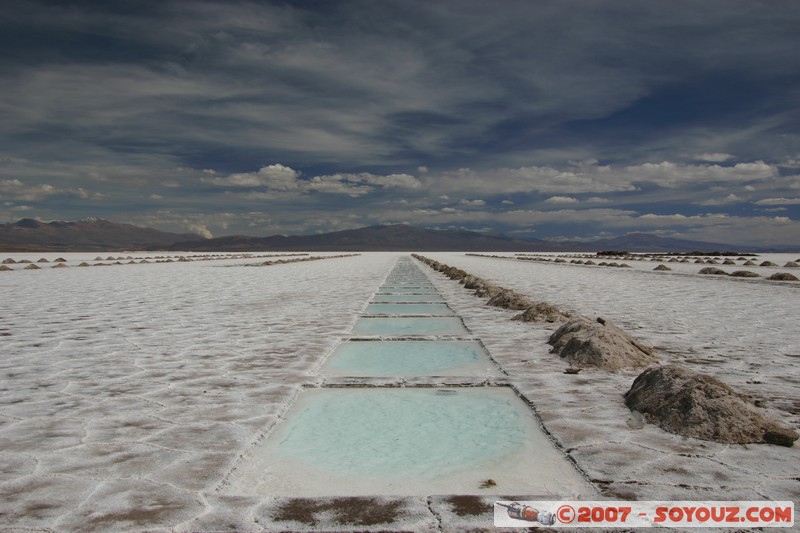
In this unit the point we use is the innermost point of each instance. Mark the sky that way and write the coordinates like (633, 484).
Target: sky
(548, 119)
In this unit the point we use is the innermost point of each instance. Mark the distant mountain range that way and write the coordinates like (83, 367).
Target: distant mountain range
(90, 234)
(403, 237)
(98, 234)
(396, 237)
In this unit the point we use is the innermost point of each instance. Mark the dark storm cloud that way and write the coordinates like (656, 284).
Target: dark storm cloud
(173, 109)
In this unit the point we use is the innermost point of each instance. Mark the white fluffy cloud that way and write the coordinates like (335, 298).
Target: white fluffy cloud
(391, 181)
(517, 217)
(526, 180)
(279, 178)
(336, 185)
(274, 177)
(589, 177)
(561, 200)
(730, 199)
(17, 190)
(667, 174)
(715, 157)
(475, 203)
(779, 201)
(762, 230)
(20, 191)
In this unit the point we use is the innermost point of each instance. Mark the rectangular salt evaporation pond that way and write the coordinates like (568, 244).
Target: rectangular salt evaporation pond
(407, 283)
(386, 298)
(408, 309)
(410, 284)
(407, 290)
(410, 359)
(406, 326)
(406, 279)
(407, 441)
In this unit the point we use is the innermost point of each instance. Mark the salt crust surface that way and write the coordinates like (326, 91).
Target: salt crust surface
(129, 392)
(152, 379)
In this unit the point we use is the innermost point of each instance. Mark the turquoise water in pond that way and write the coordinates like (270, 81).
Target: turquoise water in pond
(409, 326)
(402, 433)
(408, 358)
(407, 309)
(379, 298)
(405, 440)
(407, 290)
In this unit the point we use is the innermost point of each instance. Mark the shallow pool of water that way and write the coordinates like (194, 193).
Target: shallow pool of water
(401, 433)
(409, 359)
(384, 298)
(407, 279)
(408, 309)
(406, 290)
(406, 441)
(408, 326)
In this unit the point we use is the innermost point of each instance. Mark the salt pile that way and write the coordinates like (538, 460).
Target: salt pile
(599, 344)
(697, 405)
(542, 312)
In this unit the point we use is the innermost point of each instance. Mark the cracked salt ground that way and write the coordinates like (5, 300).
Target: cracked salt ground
(128, 393)
(123, 371)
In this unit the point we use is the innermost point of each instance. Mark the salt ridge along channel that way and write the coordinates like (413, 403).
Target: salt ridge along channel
(411, 404)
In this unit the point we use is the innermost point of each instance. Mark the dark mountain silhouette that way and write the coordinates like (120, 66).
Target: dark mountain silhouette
(395, 237)
(84, 235)
(97, 234)
(644, 242)
(403, 237)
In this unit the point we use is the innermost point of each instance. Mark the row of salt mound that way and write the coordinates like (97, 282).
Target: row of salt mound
(302, 260)
(686, 402)
(679, 400)
(778, 276)
(531, 311)
(12, 261)
(500, 297)
(580, 341)
(789, 264)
